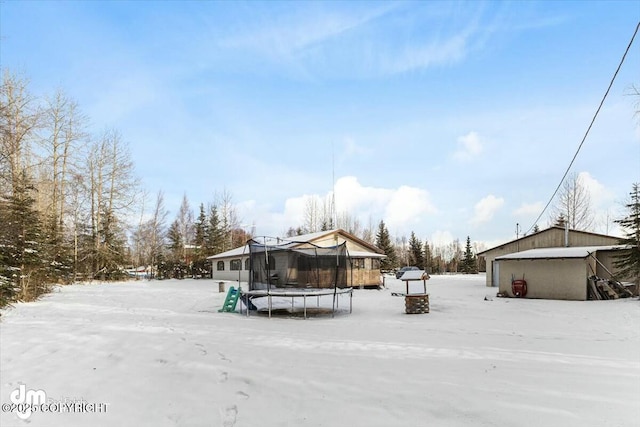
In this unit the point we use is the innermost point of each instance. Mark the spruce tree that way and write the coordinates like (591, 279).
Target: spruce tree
(428, 257)
(469, 264)
(22, 272)
(201, 233)
(416, 257)
(176, 244)
(629, 263)
(9, 286)
(216, 235)
(111, 251)
(383, 242)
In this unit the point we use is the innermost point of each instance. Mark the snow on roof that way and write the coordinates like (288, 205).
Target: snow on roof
(570, 252)
(364, 254)
(242, 250)
(293, 242)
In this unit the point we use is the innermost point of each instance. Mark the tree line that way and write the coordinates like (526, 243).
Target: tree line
(64, 192)
(181, 248)
(434, 259)
(68, 196)
(72, 208)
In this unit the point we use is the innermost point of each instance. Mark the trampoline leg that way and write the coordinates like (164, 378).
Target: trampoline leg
(304, 298)
(351, 302)
(269, 306)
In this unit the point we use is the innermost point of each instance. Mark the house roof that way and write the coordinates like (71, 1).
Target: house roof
(362, 254)
(295, 241)
(311, 237)
(558, 253)
(546, 230)
(242, 250)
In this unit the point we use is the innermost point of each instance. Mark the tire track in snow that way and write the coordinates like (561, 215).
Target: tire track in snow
(384, 350)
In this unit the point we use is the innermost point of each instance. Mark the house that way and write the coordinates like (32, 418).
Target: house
(554, 273)
(553, 237)
(363, 270)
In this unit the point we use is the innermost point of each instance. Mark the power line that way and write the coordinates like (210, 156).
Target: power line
(588, 129)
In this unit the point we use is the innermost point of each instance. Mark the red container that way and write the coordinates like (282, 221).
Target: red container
(519, 288)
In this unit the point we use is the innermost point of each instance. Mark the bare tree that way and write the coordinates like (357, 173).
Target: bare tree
(328, 220)
(61, 132)
(149, 237)
(573, 203)
(157, 227)
(184, 222)
(78, 216)
(312, 214)
(369, 233)
(19, 120)
(113, 189)
(229, 220)
(349, 223)
(635, 92)
(64, 129)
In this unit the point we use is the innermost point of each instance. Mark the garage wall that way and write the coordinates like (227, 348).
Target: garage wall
(550, 238)
(564, 279)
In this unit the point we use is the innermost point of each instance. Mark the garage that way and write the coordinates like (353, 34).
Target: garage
(555, 273)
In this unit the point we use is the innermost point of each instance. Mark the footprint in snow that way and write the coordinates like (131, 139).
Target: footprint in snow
(201, 348)
(229, 416)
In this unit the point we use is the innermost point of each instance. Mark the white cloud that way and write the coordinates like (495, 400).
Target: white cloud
(406, 206)
(486, 208)
(599, 194)
(469, 146)
(297, 31)
(441, 238)
(436, 53)
(399, 207)
(529, 209)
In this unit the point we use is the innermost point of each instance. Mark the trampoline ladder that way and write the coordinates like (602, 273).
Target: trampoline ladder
(230, 301)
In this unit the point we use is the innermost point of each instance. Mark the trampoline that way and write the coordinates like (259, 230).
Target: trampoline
(293, 293)
(284, 270)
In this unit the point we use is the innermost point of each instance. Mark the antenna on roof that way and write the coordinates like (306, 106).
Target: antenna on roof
(334, 214)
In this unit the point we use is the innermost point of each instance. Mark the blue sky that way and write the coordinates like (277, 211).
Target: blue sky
(450, 119)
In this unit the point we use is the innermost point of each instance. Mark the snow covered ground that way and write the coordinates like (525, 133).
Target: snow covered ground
(157, 353)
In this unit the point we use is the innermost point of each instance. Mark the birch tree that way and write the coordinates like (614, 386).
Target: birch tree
(20, 117)
(112, 189)
(229, 220)
(574, 204)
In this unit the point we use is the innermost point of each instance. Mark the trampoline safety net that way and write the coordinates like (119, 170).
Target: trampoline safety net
(304, 266)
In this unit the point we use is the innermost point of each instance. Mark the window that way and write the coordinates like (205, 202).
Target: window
(247, 264)
(375, 264)
(358, 263)
(220, 265)
(236, 264)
